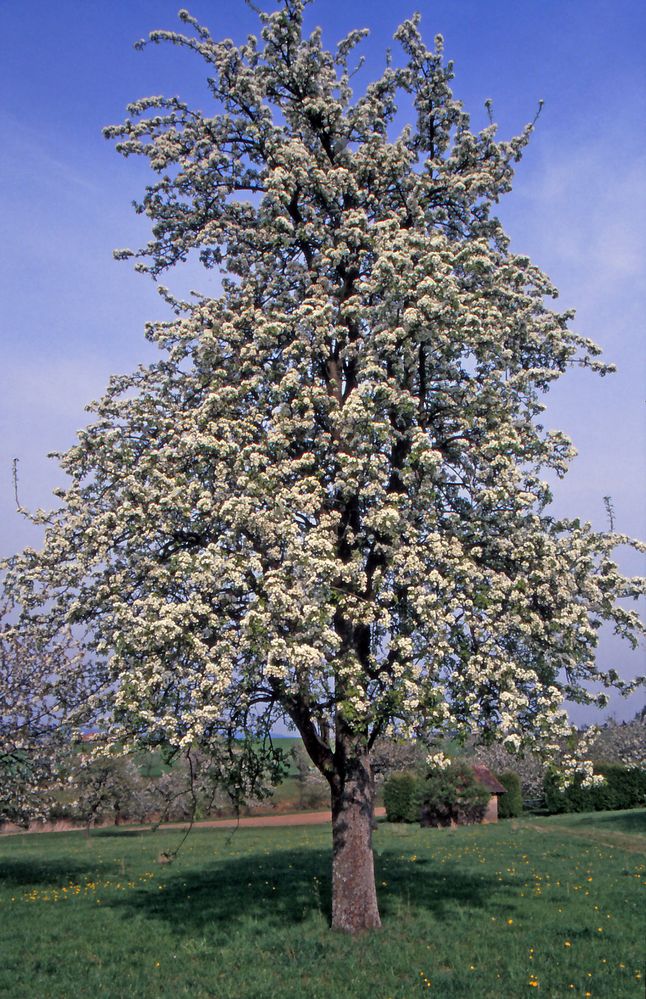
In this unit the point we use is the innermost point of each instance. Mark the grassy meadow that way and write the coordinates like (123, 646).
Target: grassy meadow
(538, 906)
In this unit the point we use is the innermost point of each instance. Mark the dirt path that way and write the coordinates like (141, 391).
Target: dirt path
(286, 819)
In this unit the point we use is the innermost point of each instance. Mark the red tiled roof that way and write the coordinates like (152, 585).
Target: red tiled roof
(487, 779)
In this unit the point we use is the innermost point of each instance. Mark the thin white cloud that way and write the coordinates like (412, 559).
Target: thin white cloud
(584, 215)
(31, 151)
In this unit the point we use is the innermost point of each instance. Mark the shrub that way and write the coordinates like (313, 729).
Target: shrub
(401, 797)
(624, 787)
(510, 804)
(452, 794)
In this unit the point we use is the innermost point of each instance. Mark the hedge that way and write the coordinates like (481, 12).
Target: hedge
(624, 787)
(401, 797)
(510, 805)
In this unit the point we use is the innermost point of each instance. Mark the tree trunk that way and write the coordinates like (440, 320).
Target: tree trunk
(354, 895)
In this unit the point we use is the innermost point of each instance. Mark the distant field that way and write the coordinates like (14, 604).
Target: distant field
(152, 765)
(543, 906)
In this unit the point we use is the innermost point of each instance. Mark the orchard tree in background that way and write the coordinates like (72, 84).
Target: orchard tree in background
(41, 684)
(325, 501)
(622, 742)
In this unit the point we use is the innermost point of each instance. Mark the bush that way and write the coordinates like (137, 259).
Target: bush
(401, 797)
(624, 787)
(452, 795)
(510, 805)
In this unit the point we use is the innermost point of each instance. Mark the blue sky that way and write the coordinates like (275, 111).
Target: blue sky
(70, 316)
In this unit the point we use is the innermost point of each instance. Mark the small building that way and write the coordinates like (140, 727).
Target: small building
(485, 777)
(456, 810)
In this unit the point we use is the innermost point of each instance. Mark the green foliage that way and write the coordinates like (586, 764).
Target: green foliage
(452, 794)
(624, 787)
(510, 805)
(246, 917)
(445, 795)
(402, 797)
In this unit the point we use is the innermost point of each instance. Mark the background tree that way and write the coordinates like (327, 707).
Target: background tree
(41, 684)
(390, 756)
(530, 766)
(104, 789)
(621, 742)
(312, 787)
(112, 787)
(325, 500)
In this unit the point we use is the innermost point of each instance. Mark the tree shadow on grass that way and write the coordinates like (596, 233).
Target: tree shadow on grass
(288, 887)
(15, 873)
(624, 822)
(112, 832)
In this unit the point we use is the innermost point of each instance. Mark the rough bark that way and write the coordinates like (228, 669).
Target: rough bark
(354, 895)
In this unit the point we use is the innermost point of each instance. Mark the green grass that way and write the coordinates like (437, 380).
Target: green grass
(543, 906)
(151, 762)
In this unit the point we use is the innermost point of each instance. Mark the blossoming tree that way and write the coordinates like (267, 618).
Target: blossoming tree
(41, 684)
(324, 502)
